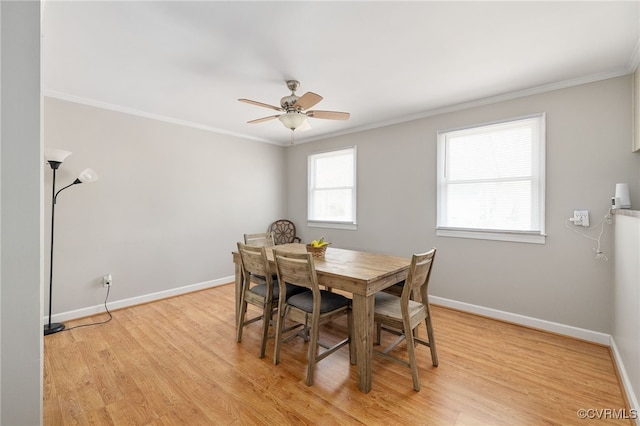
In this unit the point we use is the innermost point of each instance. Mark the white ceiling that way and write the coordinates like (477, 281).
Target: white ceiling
(384, 62)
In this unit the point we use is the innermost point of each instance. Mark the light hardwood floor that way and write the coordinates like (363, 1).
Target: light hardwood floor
(176, 361)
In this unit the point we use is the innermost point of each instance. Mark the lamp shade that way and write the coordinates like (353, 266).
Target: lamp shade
(88, 175)
(56, 155)
(292, 120)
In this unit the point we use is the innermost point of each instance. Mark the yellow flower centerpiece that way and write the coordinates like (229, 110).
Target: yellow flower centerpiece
(318, 248)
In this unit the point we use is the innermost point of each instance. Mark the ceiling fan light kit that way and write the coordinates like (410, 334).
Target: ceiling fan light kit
(292, 120)
(294, 109)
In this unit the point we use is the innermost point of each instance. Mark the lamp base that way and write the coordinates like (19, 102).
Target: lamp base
(53, 328)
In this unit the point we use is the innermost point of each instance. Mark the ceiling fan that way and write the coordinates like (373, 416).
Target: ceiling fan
(295, 109)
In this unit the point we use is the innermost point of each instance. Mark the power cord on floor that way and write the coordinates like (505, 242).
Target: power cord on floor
(599, 255)
(96, 323)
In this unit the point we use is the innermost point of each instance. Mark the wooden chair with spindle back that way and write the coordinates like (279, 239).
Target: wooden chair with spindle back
(284, 231)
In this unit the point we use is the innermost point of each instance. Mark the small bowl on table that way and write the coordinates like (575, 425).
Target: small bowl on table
(317, 251)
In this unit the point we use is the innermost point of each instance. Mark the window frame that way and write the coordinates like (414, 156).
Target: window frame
(316, 223)
(538, 178)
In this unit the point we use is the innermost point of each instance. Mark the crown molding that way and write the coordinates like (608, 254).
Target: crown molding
(482, 102)
(131, 111)
(631, 66)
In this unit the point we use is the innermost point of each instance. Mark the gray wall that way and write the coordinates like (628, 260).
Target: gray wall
(20, 215)
(588, 151)
(169, 206)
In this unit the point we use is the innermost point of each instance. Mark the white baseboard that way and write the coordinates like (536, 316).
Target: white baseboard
(554, 327)
(626, 382)
(567, 330)
(118, 304)
(580, 333)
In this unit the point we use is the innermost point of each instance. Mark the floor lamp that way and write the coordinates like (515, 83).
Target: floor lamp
(55, 157)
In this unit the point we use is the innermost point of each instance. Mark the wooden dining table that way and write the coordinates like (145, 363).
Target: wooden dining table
(362, 275)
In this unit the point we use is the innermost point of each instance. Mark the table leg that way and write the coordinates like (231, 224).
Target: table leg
(363, 338)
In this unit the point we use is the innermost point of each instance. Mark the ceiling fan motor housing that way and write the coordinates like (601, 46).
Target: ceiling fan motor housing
(288, 103)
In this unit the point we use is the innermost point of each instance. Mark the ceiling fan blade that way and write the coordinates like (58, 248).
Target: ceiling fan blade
(308, 100)
(260, 120)
(261, 104)
(329, 115)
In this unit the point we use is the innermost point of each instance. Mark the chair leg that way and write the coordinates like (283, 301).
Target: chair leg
(432, 342)
(378, 333)
(241, 316)
(266, 321)
(281, 315)
(411, 347)
(313, 352)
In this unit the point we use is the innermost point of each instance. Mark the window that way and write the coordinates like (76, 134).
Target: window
(491, 181)
(332, 189)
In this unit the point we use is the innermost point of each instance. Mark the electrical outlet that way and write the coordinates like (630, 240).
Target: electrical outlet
(580, 218)
(107, 280)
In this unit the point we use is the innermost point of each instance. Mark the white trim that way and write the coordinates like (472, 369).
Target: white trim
(553, 327)
(480, 102)
(332, 225)
(145, 298)
(497, 235)
(634, 60)
(150, 115)
(626, 382)
(472, 127)
(567, 330)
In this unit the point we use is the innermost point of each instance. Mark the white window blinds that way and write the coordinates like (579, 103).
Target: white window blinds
(491, 181)
(332, 186)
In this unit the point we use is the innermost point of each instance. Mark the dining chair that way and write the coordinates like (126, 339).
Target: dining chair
(261, 239)
(312, 308)
(400, 315)
(259, 289)
(284, 232)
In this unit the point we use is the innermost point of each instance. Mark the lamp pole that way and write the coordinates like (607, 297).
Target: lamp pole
(55, 157)
(51, 328)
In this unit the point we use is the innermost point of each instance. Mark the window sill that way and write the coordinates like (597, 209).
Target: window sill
(332, 225)
(517, 237)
